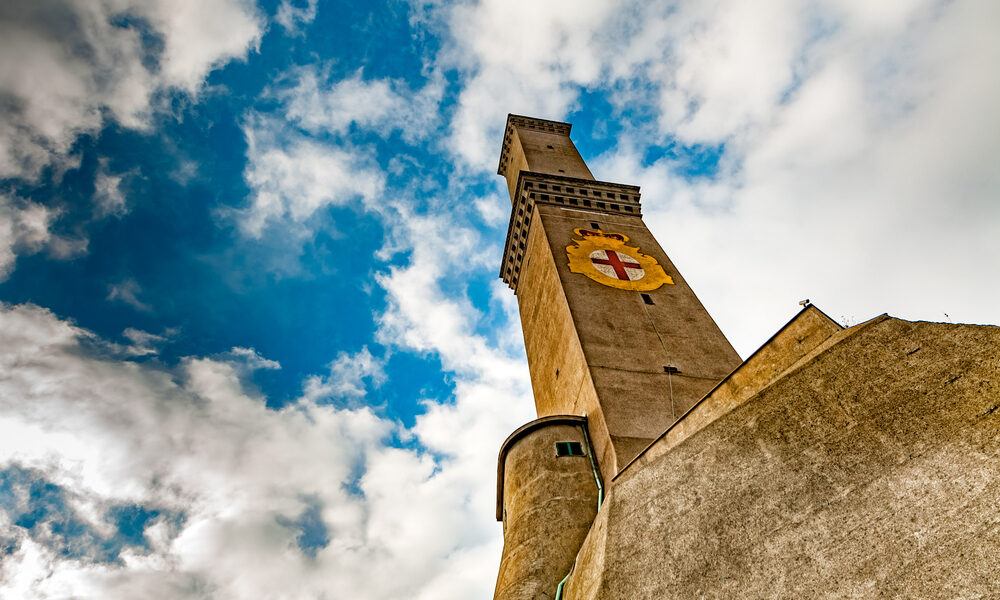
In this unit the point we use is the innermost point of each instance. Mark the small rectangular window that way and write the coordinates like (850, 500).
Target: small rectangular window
(569, 449)
(647, 299)
(594, 225)
(671, 369)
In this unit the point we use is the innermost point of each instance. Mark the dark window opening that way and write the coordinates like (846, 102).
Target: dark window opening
(594, 225)
(550, 147)
(647, 299)
(671, 369)
(569, 449)
(561, 171)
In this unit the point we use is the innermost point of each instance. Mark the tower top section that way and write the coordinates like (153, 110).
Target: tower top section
(543, 167)
(539, 146)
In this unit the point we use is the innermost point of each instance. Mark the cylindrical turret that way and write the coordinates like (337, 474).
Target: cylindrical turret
(547, 495)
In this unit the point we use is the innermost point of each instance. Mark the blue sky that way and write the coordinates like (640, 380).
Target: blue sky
(252, 340)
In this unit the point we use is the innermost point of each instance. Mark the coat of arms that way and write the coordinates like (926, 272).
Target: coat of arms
(605, 258)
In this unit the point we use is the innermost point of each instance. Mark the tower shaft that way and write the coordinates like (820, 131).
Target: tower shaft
(603, 340)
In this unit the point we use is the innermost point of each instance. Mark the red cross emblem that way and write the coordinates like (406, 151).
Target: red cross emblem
(616, 266)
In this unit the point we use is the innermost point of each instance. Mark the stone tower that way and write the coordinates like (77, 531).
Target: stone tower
(627, 345)
(618, 346)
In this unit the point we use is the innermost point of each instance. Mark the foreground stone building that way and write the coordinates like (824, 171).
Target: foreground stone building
(832, 463)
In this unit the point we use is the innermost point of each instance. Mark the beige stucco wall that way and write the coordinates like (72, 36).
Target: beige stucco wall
(627, 343)
(560, 378)
(548, 504)
(543, 152)
(808, 333)
(870, 470)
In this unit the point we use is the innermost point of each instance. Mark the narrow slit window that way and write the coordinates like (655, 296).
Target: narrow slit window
(647, 299)
(569, 449)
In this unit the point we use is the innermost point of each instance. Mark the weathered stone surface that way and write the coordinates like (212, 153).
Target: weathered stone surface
(871, 468)
(596, 350)
(539, 146)
(548, 504)
(808, 333)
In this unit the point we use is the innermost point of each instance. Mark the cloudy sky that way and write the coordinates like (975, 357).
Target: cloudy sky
(252, 340)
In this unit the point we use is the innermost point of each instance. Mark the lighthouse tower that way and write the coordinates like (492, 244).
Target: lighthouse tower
(618, 346)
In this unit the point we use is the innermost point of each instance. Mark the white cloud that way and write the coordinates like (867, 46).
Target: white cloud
(426, 313)
(128, 291)
(25, 228)
(252, 359)
(191, 441)
(108, 196)
(292, 177)
(67, 64)
(532, 64)
(347, 377)
(143, 342)
(381, 105)
(63, 62)
(294, 15)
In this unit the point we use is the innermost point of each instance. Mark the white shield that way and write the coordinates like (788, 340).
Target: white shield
(617, 265)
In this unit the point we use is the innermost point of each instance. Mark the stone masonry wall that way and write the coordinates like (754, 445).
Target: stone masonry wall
(871, 471)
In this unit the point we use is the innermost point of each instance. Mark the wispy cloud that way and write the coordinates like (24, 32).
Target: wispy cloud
(294, 15)
(128, 291)
(292, 177)
(349, 376)
(143, 343)
(109, 198)
(380, 105)
(24, 228)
